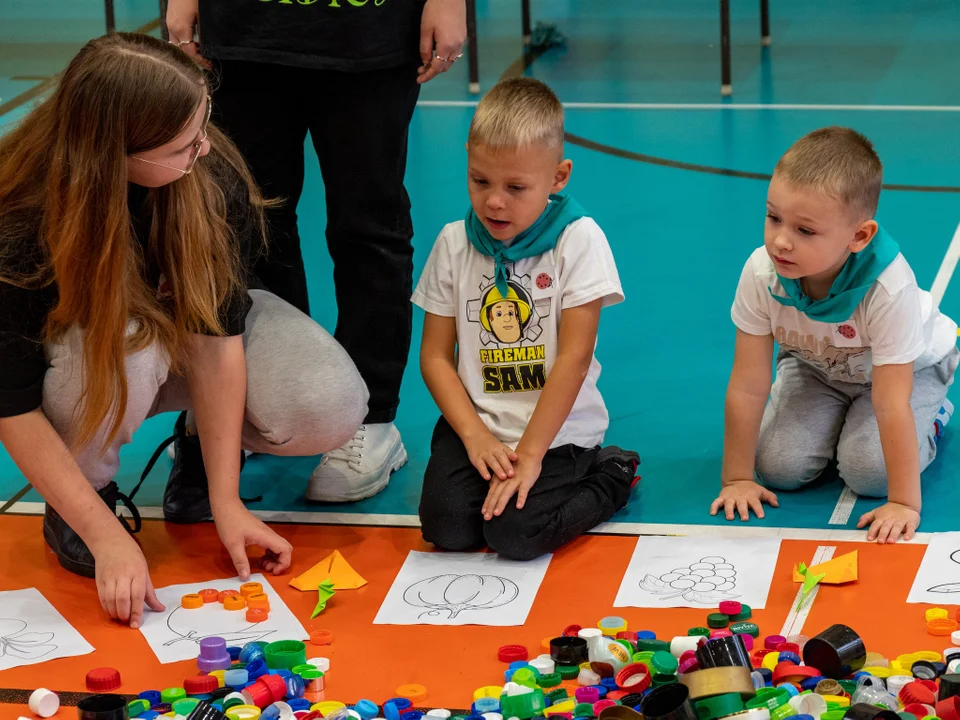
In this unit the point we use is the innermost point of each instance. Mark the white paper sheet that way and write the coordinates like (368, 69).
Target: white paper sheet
(698, 572)
(938, 579)
(462, 589)
(32, 631)
(175, 634)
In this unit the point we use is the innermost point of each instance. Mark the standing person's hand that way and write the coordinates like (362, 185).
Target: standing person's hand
(123, 581)
(443, 30)
(182, 27)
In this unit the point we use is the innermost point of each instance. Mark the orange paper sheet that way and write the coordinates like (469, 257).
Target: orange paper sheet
(840, 570)
(334, 568)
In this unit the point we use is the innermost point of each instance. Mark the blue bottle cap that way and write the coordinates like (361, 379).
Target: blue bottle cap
(295, 687)
(610, 684)
(234, 652)
(250, 652)
(811, 683)
(401, 703)
(256, 668)
(391, 711)
(270, 712)
(148, 715)
(646, 635)
(412, 715)
(790, 657)
(151, 696)
(298, 704)
(366, 709)
(484, 705)
(602, 689)
(766, 674)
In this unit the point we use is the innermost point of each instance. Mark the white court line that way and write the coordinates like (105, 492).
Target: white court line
(796, 618)
(714, 106)
(949, 264)
(610, 528)
(844, 507)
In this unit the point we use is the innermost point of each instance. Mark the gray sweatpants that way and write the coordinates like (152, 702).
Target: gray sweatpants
(304, 394)
(811, 420)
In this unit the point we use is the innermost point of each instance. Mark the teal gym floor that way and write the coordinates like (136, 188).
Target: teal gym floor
(658, 160)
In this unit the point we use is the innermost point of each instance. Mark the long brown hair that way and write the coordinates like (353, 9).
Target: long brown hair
(63, 179)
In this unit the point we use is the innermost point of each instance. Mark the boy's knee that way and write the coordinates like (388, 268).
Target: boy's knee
(865, 474)
(787, 472)
(505, 535)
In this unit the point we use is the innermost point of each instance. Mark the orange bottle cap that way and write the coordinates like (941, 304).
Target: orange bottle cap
(414, 693)
(321, 637)
(209, 595)
(191, 602)
(224, 594)
(258, 600)
(251, 588)
(256, 614)
(233, 602)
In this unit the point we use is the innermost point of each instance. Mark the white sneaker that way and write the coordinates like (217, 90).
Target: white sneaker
(359, 469)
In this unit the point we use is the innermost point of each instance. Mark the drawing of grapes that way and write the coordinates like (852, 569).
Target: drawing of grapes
(705, 582)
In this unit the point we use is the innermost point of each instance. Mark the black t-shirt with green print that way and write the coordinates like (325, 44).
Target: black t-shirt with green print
(345, 35)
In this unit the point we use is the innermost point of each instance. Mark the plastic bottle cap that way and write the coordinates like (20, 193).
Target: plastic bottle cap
(200, 685)
(321, 664)
(664, 663)
(942, 626)
(243, 712)
(414, 693)
(224, 594)
(43, 702)
(257, 615)
(260, 600)
(191, 601)
(233, 602)
(718, 620)
(698, 632)
(209, 595)
(103, 679)
(321, 637)
(512, 653)
(612, 625)
(772, 642)
(746, 612)
(936, 613)
(251, 588)
(730, 607)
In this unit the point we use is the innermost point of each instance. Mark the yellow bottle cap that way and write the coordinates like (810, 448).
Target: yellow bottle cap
(488, 691)
(936, 613)
(327, 706)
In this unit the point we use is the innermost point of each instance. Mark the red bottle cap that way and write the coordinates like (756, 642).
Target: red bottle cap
(512, 653)
(200, 685)
(916, 692)
(634, 678)
(572, 630)
(949, 708)
(259, 693)
(103, 679)
(277, 686)
(626, 635)
(731, 607)
(789, 647)
(209, 595)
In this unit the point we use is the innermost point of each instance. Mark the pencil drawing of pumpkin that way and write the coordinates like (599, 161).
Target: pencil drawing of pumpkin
(456, 593)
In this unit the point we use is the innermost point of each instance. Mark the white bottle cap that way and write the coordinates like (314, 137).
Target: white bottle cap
(439, 713)
(492, 716)
(955, 637)
(682, 643)
(587, 633)
(544, 666)
(44, 703)
(896, 683)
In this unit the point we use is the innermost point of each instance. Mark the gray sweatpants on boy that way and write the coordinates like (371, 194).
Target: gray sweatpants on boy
(304, 394)
(811, 420)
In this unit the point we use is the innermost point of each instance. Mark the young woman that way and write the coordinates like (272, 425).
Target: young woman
(127, 226)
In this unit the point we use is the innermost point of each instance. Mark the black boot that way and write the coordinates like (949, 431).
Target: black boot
(72, 552)
(186, 499)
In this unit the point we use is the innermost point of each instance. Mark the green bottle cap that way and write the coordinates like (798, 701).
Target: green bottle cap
(664, 663)
(652, 645)
(557, 695)
(746, 612)
(185, 707)
(701, 631)
(583, 710)
(137, 706)
(171, 695)
(718, 620)
(746, 628)
(550, 680)
(719, 706)
(568, 672)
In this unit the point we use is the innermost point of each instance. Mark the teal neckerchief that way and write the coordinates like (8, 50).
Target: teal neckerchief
(537, 239)
(849, 288)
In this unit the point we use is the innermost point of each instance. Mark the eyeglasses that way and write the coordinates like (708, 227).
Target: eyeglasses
(197, 146)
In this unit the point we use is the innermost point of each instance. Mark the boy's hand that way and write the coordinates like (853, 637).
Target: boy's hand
(486, 451)
(123, 581)
(238, 528)
(888, 521)
(528, 472)
(741, 497)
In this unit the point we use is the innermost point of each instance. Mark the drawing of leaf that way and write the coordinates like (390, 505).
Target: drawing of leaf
(653, 585)
(31, 638)
(29, 652)
(945, 588)
(9, 626)
(708, 598)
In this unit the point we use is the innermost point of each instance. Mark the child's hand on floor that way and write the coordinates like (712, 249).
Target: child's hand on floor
(486, 451)
(527, 472)
(888, 521)
(123, 582)
(743, 496)
(238, 529)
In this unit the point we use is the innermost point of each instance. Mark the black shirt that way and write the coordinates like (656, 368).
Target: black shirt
(24, 312)
(345, 35)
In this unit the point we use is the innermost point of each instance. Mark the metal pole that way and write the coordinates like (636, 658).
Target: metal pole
(473, 60)
(111, 20)
(726, 86)
(525, 9)
(765, 22)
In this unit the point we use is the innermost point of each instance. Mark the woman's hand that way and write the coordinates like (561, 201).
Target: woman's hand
(238, 529)
(443, 30)
(182, 27)
(123, 581)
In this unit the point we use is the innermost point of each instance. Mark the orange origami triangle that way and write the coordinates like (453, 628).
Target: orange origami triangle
(840, 570)
(334, 568)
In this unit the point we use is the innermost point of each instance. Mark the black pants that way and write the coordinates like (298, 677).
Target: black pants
(358, 123)
(573, 495)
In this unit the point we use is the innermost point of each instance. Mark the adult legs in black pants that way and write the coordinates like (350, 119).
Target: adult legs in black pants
(577, 490)
(358, 123)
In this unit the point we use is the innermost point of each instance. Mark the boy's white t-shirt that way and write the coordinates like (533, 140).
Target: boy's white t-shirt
(895, 323)
(507, 349)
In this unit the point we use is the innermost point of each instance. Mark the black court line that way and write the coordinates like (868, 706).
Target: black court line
(519, 66)
(15, 499)
(16, 696)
